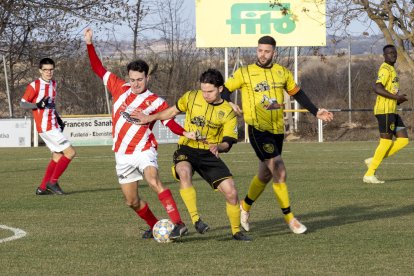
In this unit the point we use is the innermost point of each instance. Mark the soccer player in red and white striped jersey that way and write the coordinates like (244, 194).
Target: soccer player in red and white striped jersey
(40, 97)
(135, 145)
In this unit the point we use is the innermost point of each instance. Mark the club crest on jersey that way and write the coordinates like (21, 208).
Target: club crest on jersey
(262, 86)
(198, 121)
(269, 148)
(220, 115)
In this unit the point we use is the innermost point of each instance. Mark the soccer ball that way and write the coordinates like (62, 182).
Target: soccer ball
(162, 230)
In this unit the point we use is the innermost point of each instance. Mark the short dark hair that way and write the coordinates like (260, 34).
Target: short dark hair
(212, 76)
(387, 46)
(44, 61)
(138, 65)
(267, 40)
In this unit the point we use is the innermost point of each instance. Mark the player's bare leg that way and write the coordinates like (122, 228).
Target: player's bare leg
(132, 199)
(167, 200)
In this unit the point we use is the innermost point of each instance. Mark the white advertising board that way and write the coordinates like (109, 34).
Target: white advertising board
(88, 131)
(15, 132)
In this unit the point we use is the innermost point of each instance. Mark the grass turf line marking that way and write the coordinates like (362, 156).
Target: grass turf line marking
(18, 233)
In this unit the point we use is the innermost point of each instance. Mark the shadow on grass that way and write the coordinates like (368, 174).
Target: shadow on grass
(93, 190)
(331, 218)
(142, 186)
(398, 179)
(353, 214)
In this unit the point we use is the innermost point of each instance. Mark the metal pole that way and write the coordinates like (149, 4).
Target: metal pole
(349, 80)
(226, 63)
(7, 86)
(296, 81)
(106, 89)
(320, 131)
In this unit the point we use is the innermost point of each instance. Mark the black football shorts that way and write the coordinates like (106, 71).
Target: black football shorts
(207, 165)
(389, 123)
(266, 145)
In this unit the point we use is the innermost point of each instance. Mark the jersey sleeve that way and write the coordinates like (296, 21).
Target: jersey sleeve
(383, 76)
(182, 102)
(291, 87)
(113, 83)
(230, 127)
(235, 81)
(29, 94)
(96, 63)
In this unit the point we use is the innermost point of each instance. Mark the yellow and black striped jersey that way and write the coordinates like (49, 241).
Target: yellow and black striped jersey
(262, 92)
(210, 121)
(388, 77)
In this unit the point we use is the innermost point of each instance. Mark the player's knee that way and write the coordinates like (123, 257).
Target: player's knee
(156, 186)
(231, 196)
(133, 203)
(70, 153)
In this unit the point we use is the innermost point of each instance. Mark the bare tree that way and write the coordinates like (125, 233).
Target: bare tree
(180, 57)
(394, 18)
(134, 15)
(33, 29)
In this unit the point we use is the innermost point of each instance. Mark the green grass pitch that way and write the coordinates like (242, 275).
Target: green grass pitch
(354, 228)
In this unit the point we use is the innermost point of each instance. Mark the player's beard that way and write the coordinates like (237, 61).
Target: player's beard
(266, 63)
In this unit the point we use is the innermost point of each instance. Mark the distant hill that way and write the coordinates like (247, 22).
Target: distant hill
(360, 45)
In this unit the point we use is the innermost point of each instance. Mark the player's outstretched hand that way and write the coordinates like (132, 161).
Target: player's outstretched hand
(43, 103)
(190, 135)
(214, 149)
(88, 35)
(141, 117)
(236, 109)
(324, 115)
(401, 98)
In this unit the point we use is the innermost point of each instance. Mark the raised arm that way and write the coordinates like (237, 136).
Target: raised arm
(96, 63)
(162, 115)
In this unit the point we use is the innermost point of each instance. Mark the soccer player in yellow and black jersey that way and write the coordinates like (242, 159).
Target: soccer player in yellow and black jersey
(214, 122)
(262, 87)
(390, 124)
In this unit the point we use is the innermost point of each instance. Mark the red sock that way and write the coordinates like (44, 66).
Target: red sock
(61, 166)
(146, 214)
(48, 174)
(168, 202)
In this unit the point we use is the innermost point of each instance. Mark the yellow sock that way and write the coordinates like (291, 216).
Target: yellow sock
(282, 197)
(396, 146)
(189, 197)
(233, 212)
(379, 155)
(256, 188)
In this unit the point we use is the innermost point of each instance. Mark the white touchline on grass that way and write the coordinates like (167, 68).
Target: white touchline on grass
(18, 233)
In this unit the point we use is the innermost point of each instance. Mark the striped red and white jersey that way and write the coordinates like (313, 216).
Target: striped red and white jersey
(128, 137)
(45, 119)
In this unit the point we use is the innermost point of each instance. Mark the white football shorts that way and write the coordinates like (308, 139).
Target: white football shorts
(55, 140)
(130, 167)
